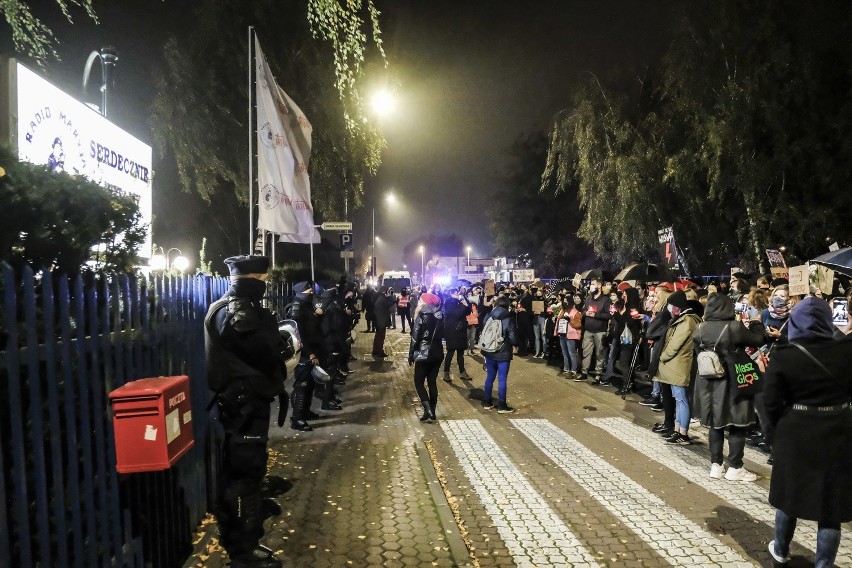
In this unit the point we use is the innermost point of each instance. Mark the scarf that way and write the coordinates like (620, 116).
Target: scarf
(779, 308)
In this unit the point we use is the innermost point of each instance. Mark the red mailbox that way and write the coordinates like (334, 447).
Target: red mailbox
(152, 419)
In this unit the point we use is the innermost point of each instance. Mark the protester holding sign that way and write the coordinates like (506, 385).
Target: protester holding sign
(807, 397)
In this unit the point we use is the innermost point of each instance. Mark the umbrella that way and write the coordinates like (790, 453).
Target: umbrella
(595, 273)
(646, 272)
(838, 260)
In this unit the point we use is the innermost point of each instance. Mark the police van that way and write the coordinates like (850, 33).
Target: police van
(397, 280)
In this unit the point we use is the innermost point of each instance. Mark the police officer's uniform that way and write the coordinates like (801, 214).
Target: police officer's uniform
(245, 369)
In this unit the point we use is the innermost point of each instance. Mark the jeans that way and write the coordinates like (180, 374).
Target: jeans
(614, 354)
(471, 337)
(593, 344)
(736, 445)
(681, 407)
(542, 332)
(828, 539)
(655, 389)
(405, 316)
(536, 329)
(500, 369)
(570, 357)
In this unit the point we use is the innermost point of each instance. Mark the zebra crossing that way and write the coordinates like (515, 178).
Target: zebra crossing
(536, 535)
(749, 497)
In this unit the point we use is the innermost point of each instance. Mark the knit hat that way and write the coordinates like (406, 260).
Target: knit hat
(243, 264)
(430, 299)
(678, 300)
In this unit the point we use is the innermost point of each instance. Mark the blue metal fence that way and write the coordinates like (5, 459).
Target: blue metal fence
(66, 343)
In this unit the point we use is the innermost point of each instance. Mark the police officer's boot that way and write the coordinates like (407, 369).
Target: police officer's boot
(301, 402)
(329, 401)
(260, 557)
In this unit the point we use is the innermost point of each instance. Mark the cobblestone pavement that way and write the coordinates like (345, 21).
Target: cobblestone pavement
(573, 478)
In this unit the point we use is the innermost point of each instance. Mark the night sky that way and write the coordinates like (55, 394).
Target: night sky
(470, 77)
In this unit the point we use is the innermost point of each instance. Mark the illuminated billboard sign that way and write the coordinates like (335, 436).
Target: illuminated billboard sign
(53, 128)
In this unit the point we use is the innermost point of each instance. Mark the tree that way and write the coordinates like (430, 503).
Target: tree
(30, 34)
(55, 220)
(199, 113)
(543, 224)
(729, 141)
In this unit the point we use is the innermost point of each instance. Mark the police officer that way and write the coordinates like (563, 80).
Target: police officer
(308, 315)
(245, 368)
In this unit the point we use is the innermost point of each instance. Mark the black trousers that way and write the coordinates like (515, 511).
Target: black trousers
(736, 445)
(426, 372)
(245, 419)
(448, 359)
(668, 404)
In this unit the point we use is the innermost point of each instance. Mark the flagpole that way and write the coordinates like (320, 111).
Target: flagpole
(250, 143)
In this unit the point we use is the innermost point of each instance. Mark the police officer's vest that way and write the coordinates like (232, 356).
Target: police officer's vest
(222, 364)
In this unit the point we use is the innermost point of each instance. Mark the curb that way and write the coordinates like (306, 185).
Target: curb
(458, 548)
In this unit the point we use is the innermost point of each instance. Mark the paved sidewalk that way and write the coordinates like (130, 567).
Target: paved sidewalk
(573, 478)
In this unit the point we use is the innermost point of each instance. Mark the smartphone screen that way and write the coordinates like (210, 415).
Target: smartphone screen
(740, 307)
(841, 316)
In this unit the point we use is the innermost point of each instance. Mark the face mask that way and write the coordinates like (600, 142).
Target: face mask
(593, 289)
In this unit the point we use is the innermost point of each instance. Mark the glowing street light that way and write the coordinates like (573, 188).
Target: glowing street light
(422, 263)
(383, 102)
(468, 257)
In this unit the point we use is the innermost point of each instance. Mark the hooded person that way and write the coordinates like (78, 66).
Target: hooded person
(715, 402)
(675, 367)
(426, 352)
(244, 367)
(806, 393)
(628, 324)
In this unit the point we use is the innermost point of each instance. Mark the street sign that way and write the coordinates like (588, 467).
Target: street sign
(345, 242)
(336, 226)
(347, 254)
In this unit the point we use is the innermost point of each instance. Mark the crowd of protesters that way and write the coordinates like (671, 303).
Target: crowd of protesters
(685, 339)
(679, 337)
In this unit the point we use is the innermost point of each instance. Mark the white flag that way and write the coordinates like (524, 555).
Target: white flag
(283, 151)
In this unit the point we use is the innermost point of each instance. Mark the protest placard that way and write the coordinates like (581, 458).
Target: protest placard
(799, 280)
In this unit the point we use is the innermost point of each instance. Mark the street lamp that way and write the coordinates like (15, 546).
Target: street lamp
(468, 259)
(108, 59)
(422, 264)
(383, 102)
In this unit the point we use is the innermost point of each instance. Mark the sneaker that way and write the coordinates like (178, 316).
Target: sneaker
(464, 376)
(667, 433)
(775, 556)
(679, 439)
(650, 401)
(562, 371)
(579, 377)
(447, 377)
(717, 470)
(660, 427)
(504, 408)
(487, 404)
(739, 474)
(600, 383)
(657, 407)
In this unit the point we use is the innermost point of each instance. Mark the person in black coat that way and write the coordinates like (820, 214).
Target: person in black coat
(456, 310)
(368, 300)
(807, 398)
(426, 352)
(497, 362)
(244, 365)
(715, 403)
(382, 321)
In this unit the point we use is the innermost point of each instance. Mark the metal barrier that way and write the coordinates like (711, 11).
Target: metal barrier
(66, 343)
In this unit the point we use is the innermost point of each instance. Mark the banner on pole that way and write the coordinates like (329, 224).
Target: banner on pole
(283, 152)
(668, 248)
